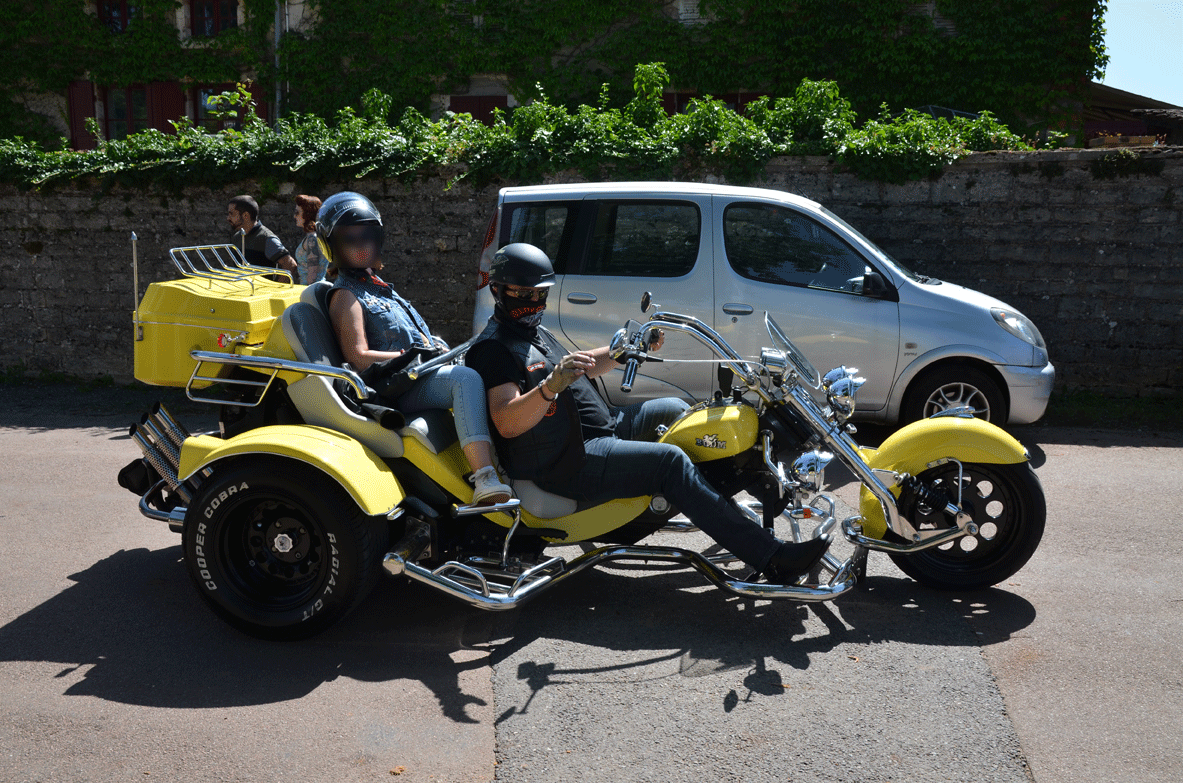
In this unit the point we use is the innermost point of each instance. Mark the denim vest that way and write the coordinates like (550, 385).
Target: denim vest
(392, 324)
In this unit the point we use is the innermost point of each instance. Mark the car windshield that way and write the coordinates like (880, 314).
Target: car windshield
(877, 251)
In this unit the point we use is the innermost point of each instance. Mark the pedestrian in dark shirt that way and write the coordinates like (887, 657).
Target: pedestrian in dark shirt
(260, 245)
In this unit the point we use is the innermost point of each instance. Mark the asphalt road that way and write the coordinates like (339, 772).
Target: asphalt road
(112, 669)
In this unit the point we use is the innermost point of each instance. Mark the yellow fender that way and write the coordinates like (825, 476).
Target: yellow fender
(358, 470)
(918, 446)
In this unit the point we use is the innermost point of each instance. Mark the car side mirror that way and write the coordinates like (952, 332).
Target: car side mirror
(874, 285)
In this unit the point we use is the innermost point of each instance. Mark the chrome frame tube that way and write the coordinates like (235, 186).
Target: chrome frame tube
(174, 518)
(852, 532)
(415, 541)
(277, 365)
(503, 599)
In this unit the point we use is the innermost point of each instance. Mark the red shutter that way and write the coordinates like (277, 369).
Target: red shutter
(479, 106)
(166, 103)
(80, 106)
(259, 96)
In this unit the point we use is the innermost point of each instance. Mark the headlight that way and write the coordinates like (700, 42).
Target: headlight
(1019, 325)
(841, 385)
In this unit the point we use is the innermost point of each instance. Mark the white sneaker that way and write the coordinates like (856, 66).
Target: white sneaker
(489, 488)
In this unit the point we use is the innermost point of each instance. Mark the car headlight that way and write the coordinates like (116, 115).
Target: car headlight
(1019, 325)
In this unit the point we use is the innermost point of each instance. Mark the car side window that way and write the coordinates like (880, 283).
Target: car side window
(549, 226)
(776, 244)
(643, 239)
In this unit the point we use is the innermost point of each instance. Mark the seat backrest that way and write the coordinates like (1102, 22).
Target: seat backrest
(306, 326)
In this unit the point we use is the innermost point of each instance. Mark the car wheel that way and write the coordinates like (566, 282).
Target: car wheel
(942, 388)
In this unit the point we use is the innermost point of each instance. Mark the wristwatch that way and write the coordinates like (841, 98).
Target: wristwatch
(542, 385)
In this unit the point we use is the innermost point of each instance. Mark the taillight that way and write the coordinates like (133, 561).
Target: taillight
(490, 236)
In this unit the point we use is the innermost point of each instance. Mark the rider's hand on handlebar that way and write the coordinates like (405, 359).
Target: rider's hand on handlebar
(568, 370)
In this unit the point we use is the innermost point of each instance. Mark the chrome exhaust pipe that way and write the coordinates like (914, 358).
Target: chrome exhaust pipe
(159, 459)
(164, 445)
(173, 430)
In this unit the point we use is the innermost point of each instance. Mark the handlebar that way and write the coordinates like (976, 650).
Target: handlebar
(630, 374)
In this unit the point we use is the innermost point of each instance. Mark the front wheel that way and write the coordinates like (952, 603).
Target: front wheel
(1006, 503)
(277, 549)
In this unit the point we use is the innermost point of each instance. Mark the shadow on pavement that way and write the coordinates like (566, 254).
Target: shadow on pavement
(656, 618)
(40, 407)
(143, 636)
(137, 627)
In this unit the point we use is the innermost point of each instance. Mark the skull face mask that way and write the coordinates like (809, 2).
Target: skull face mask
(525, 311)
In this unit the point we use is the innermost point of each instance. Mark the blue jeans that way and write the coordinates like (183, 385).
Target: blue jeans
(631, 464)
(459, 388)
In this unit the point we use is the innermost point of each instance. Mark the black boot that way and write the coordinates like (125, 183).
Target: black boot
(790, 560)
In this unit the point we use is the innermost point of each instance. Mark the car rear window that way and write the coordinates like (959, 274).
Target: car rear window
(775, 244)
(643, 239)
(546, 225)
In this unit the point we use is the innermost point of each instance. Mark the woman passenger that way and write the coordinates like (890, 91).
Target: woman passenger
(374, 324)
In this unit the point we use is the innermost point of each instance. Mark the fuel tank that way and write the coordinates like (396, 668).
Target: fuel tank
(711, 431)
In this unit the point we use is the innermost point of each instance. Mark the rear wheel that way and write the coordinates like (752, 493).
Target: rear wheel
(1007, 505)
(278, 549)
(955, 386)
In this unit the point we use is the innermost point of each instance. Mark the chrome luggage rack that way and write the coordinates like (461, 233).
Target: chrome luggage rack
(220, 263)
(227, 264)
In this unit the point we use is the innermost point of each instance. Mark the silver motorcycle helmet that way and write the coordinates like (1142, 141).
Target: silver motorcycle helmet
(341, 210)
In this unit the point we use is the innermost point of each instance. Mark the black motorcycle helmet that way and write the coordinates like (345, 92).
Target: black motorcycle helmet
(522, 264)
(341, 210)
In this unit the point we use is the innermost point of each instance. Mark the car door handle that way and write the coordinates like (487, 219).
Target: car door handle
(734, 308)
(578, 298)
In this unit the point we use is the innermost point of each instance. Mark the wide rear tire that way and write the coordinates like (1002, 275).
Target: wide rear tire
(278, 549)
(1008, 506)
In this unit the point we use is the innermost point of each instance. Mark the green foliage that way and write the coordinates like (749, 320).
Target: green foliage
(602, 142)
(47, 44)
(1028, 62)
(1123, 163)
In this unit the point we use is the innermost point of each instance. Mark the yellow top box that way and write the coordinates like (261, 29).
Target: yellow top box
(192, 314)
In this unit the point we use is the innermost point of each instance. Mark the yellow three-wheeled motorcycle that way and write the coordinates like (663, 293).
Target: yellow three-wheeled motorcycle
(311, 487)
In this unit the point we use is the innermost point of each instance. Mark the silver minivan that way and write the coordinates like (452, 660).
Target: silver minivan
(727, 254)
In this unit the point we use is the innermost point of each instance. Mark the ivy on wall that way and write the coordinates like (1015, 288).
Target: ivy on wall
(1023, 60)
(637, 141)
(46, 44)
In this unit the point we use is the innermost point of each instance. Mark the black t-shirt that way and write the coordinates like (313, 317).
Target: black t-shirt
(262, 247)
(496, 366)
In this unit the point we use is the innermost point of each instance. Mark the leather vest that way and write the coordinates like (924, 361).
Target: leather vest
(553, 448)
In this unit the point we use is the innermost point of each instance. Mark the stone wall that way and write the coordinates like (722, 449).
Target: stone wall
(1095, 260)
